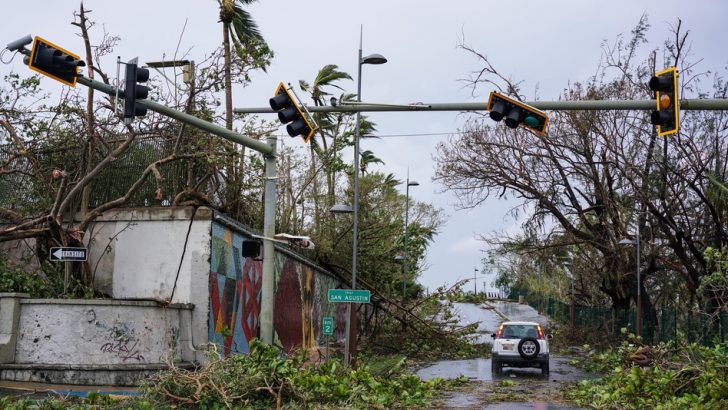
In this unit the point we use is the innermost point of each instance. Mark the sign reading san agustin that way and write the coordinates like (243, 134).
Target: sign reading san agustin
(349, 296)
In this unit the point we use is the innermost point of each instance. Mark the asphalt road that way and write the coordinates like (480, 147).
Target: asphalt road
(514, 388)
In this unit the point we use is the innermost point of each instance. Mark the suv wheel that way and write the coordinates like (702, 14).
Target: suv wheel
(495, 366)
(528, 348)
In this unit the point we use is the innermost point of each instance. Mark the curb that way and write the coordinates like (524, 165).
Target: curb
(504, 317)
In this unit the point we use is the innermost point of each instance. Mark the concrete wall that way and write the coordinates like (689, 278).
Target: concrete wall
(99, 342)
(151, 253)
(178, 281)
(96, 332)
(136, 254)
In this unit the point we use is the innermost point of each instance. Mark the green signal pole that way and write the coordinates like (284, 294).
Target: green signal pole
(269, 152)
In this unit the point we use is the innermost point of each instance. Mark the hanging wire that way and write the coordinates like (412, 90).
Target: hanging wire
(2, 58)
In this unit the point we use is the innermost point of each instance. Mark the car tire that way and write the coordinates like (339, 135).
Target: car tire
(545, 368)
(528, 348)
(495, 366)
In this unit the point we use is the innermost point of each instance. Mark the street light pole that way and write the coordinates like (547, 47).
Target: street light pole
(636, 242)
(406, 235)
(639, 282)
(475, 281)
(350, 343)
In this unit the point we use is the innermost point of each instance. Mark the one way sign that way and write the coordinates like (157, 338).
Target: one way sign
(68, 254)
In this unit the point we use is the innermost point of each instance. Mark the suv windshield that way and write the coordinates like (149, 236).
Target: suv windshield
(519, 331)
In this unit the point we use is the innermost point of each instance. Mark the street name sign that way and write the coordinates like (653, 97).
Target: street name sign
(68, 254)
(349, 296)
(328, 325)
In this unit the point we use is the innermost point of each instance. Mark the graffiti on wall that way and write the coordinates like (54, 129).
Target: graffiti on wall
(122, 341)
(235, 288)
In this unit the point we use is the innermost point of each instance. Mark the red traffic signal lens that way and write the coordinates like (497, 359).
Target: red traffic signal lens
(498, 111)
(280, 102)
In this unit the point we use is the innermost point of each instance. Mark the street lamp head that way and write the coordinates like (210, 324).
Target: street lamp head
(627, 242)
(413, 183)
(341, 209)
(399, 258)
(373, 59)
(166, 64)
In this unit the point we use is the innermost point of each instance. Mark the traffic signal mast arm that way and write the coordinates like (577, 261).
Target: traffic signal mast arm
(223, 132)
(592, 105)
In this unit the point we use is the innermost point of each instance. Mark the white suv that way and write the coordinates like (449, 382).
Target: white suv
(520, 344)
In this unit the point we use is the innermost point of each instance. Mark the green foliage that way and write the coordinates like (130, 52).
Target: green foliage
(434, 334)
(14, 279)
(670, 377)
(714, 287)
(92, 401)
(467, 297)
(264, 378)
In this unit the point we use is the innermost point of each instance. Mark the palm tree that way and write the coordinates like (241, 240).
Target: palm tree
(238, 24)
(329, 124)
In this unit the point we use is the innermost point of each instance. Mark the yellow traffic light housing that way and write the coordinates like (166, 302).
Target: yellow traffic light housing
(290, 112)
(517, 113)
(667, 115)
(54, 61)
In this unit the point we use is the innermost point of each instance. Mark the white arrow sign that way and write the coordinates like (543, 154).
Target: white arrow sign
(68, 254)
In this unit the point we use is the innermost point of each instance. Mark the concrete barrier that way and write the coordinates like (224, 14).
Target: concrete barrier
(94, 341)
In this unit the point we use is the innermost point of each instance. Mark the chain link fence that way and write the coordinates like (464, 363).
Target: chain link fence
(666, 325)
(21, 190)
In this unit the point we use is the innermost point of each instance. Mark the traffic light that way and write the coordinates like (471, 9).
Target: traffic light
(55, 62)
(134, 91)
(290, 112)
(667, 115)
(517, 113)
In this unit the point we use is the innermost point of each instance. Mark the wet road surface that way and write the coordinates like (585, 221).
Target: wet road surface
(490, 316)
(520, 313)
(515, 388)
(489, 319)
(479, 370)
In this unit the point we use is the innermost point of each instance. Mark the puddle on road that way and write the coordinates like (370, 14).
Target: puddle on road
(479, 369)
(529, 381)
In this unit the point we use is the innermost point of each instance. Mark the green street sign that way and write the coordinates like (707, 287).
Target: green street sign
(328, 325)
(349, 296)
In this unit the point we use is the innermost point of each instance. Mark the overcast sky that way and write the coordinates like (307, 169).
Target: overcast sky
(546, 44)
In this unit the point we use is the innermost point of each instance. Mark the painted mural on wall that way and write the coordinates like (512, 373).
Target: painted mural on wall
(235, 289)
